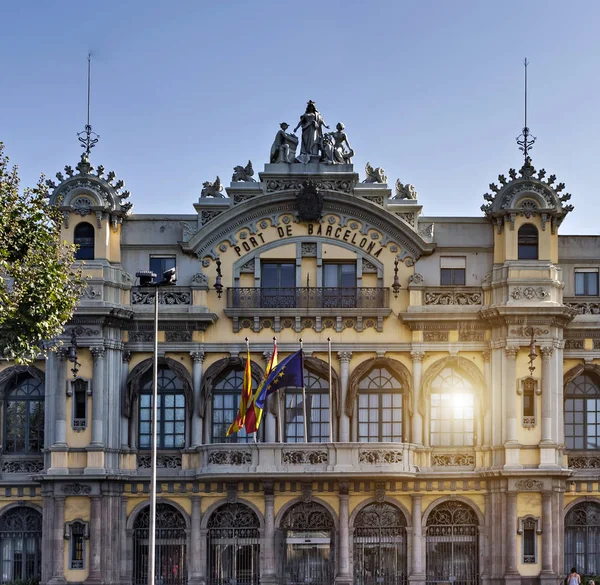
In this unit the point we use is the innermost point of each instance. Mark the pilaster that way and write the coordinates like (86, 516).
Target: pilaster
(125, 359)
(268, 574)
(511, 444)
(511, 574)
(57, 551)
(197, 372)
(58, 451)
(95, 574)
(195, 559)
(344, 357)
(417, 419)
(417, 575)
(344, 577)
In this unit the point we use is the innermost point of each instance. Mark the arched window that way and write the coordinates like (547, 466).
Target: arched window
(452, 410)
(171, 411)
(582, 538)
(379, 407)
(380, 553)
(452, 544)
(582, 413)
(84, 238)
(317, 410)
(528, 242)
(21, 544)
(226, 395)
(233, 546)
(24, 415)
(171, 567)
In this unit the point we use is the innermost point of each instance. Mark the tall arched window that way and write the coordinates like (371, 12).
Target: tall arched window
(171, 411)
(582, 538)
(84, 238)
(528, 242)
(582, 413)
(21, 544)
(452, 410)
(24, 415)
(317, 410)
(379, 407)
(226, 395)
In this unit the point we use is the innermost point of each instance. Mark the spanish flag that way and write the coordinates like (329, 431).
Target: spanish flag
(238, 423)
(254, 414)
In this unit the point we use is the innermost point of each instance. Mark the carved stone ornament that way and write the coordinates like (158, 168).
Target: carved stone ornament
(309, 203)
(416, 279)
(585, 308)
(574, 343)
(232, 492)
(229, 458)
(243, 173)
(380, 491)
(576, 462)
(181, 336)
(306, 492)
(380, 456)
(435, 336)
(341, 185)
(141, 336)
(199, 279)
(529, 293)
(162, 461)
(164, 298)
(405, 191)
(529, 485)
(212, 189)
(471, 335)
(22, 466)
(316, 457)
(376, 175)
(76, 489)
(453, 298)
(452, 460)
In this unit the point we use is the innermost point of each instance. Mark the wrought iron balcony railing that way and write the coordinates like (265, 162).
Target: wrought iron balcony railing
(308, 298)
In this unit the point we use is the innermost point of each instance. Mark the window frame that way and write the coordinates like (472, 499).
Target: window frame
(77, 386)
(584, 422)
(85, 243)
(76, 538)
(525, 242)
(453, 270)
(584, 272)
(529, 528)
(167, 265)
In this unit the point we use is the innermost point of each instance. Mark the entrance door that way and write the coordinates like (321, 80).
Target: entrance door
(308, 559)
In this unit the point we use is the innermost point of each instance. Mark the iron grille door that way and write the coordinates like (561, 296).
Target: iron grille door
(308, 559)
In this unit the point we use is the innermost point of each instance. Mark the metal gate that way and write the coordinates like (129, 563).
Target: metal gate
(170, 560)
(582, 538)
(308, 557)
(20, 544)
(233, 546)
(380, 552)
(452, 545)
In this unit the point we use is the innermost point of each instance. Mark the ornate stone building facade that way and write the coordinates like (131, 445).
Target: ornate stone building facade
(464, 396)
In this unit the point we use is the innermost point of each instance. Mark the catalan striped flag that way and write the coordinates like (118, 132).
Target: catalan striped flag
(254, 414)
(240, 419)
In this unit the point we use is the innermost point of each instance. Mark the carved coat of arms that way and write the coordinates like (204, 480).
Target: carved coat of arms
(309, 203)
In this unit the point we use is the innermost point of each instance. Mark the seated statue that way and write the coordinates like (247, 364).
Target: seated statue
(284, 146)
(335, 149)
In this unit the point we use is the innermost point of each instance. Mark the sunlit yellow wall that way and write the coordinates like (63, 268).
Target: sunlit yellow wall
(506, 243)
(77, 508)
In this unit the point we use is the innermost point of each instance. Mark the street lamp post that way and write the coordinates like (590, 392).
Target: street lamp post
(148, 278)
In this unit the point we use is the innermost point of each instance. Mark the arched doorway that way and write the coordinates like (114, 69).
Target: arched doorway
(233, 546)
(170, 557)
(380, 545)
(308, 554)
(452, 538)
(582, 538)
(21, 544)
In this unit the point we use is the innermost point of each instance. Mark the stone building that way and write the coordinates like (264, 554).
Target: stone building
(463, 395)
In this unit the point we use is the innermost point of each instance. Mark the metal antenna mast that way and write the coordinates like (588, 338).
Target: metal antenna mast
(525, 140)
(88, 138)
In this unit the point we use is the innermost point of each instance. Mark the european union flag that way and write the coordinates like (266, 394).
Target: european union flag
(287, 373)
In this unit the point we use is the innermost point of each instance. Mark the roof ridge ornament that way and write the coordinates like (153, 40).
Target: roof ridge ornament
(525, 140)
(87, 137)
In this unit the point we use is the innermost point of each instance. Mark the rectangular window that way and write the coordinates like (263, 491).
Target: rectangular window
(170, 423)
(160, 264)
(77, 546)
(453, 271)
(225, 407)
(379, 417)
(452, 422)
(79, 394)
(528, 528)
(278, 285)
(339, 282)
(317, 410)
(586, 282)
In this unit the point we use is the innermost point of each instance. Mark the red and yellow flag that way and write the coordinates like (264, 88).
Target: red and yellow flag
(245, 399)
(254, 413)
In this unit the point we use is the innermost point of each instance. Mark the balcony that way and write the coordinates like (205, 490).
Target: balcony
(307, 307)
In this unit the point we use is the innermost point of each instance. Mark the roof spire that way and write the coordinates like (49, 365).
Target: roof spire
(525, 140)
(88, 138)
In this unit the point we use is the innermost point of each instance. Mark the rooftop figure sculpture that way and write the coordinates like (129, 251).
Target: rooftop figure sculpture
(284, 146)
(312, 124)
(336, 148)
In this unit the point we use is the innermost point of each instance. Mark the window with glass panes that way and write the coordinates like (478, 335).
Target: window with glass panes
(170, 427)
(379, 407)
(226, 396)
(586, 282)
(77, 546)
(339, 280)
(278, 284)
(452, 410)
(160, 264)
(582, 413)
(24, 415)
(317, 411)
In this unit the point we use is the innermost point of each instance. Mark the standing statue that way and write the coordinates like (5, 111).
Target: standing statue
(312, 132)
(336, 148)
(284, 146)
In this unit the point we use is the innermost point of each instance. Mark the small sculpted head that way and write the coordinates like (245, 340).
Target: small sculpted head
(340, 126)
(284, 126)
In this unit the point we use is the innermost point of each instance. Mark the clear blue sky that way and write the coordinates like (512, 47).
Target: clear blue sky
(184, 90)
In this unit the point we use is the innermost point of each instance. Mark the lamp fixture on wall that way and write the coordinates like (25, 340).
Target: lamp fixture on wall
(218, 283)
(532, 352)
(396, 286)
(73, 355)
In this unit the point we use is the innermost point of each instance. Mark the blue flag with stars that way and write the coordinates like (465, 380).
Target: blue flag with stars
(287, 373)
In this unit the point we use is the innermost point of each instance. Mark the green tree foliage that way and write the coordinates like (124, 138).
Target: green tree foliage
(39, 289)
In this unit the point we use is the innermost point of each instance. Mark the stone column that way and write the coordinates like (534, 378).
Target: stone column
(343, 575)
(546, 395)
(417, 417)
(344, 434)
(546, 532)
(98, 392)
(124, 545)
(197, 371)
(269, 574)
(203, 555)
(417, 574)
(58, 548)
(511, 572)
(60, 412)
(47, 569)
(95, 574)
(487, 418)
(195, 558)
(125, 359)
(511, 394)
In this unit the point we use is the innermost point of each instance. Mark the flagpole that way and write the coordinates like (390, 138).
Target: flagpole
(304, 397)
(248, 357)
(330, 391)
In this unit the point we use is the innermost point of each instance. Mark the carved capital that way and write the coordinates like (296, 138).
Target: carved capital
(344, 356)
(268, 487)
(62, 353)
(232, 492)
(307, 492)
(486, 355)
(380, 491)
(197, 356)
(546, 352)
(97, 353)
(417, 356)
(512, 351)
(344, 488)
(126, 356)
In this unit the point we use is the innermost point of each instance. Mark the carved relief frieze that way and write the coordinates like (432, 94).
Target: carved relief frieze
(574, 344)
(585, 308)
(584, 462)
(229, 458)
(380, 456)
(315, 457)
(179, 336)
(471, 335)
(529, 293)
(274, 185)
(76, 489)
(164, 298)
(454, 297)
(452, 460)
(22, 466)
(435, 336)
(141, 336)
(162, 461)
(529, 485)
